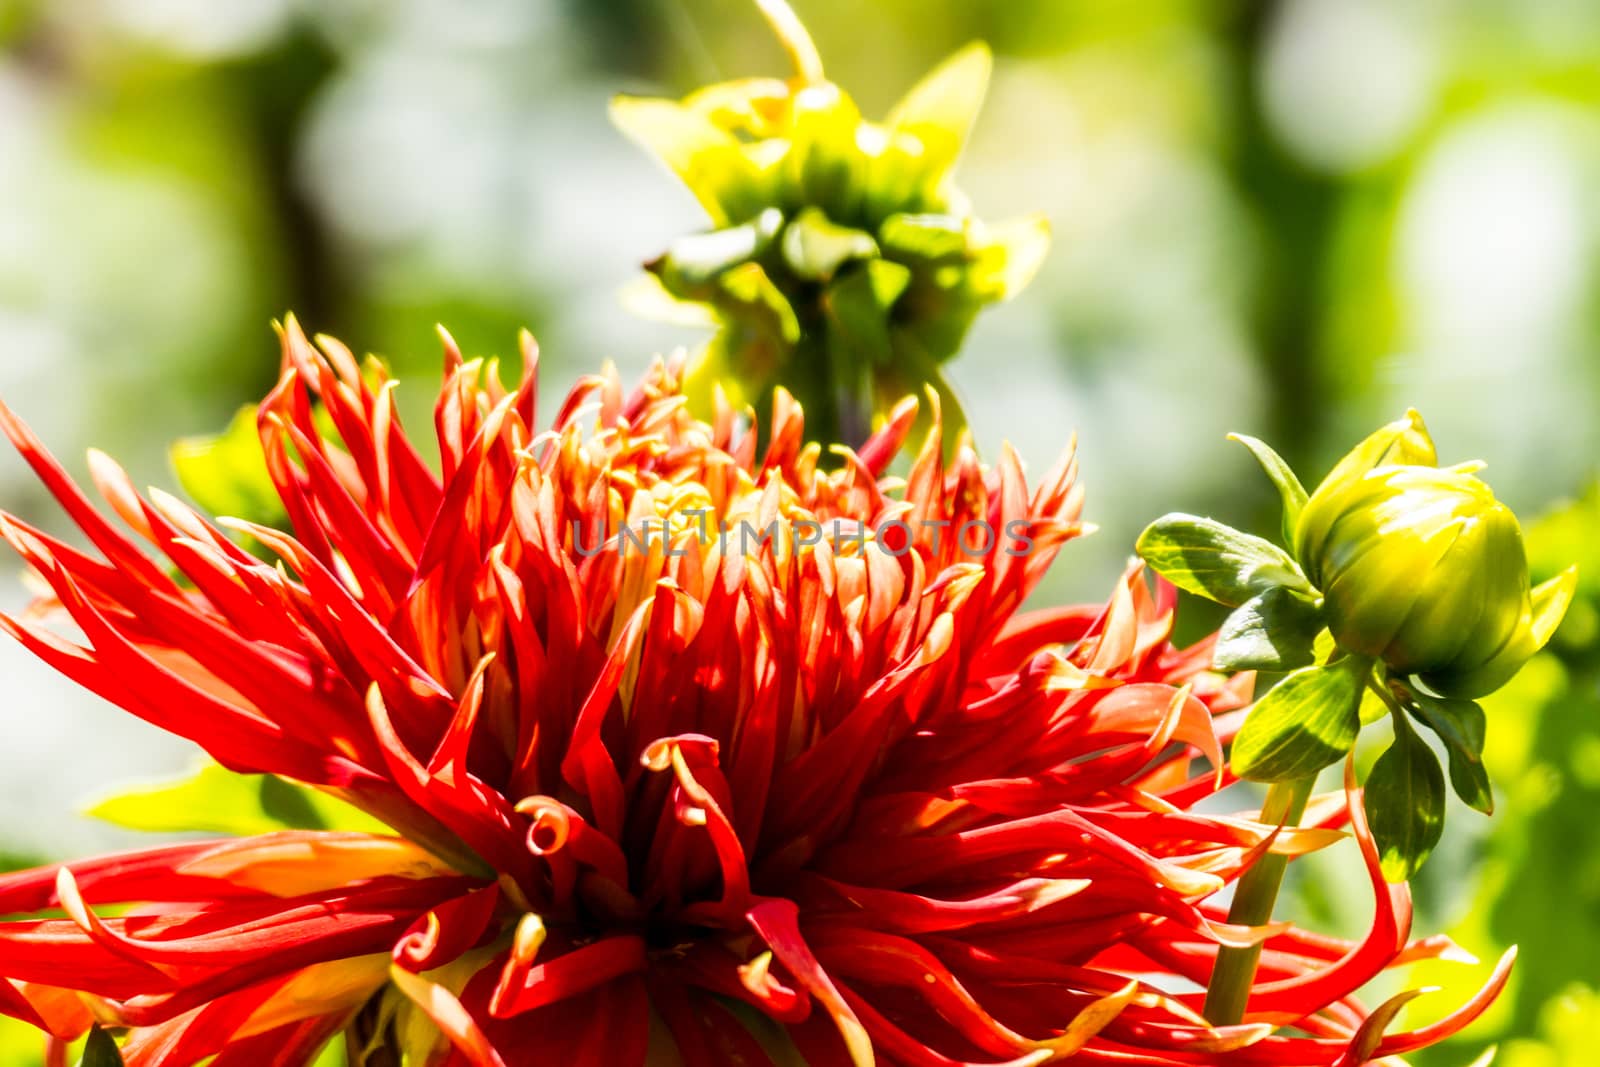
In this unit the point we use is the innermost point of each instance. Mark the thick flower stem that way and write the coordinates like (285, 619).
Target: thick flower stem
(1235, 969)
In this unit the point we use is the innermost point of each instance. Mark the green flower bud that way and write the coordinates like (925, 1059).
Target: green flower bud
(1420, 566)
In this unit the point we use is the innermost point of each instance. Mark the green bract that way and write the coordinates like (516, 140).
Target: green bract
(843, 264)
(1421, 567)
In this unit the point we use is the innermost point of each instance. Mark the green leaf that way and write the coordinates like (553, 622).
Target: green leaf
(1308, 721)
(1216, 561)
(1289, 487)
(815, 248)
(1461, 725)
(1404, 800)
(100, 1050)
(1274, 630)
(227, 474)
(216, 800)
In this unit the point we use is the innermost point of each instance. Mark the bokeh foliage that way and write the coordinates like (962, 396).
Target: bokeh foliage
(1536, 872)
(1292, 218)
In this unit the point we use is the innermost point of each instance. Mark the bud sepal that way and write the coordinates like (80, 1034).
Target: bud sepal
(1275, 630)
(1461, 727)
(1405, 801)
(1213, 560)
(1308, 721)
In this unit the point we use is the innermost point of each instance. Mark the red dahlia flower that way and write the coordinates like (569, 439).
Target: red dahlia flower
(674, 799)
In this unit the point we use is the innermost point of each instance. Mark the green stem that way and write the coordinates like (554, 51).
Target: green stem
(1235, 970)
(1380, 687)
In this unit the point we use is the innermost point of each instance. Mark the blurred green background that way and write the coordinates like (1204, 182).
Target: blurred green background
(1292, 219)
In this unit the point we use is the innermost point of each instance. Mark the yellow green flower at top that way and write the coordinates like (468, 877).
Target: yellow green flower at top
(843, 263)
